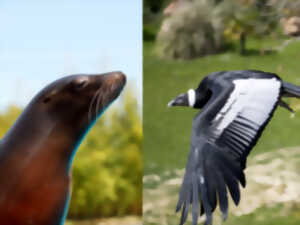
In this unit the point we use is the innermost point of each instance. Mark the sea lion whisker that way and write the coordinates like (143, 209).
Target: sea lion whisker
(99, 99)
(90, 114)
(98, 94)
(90, 106)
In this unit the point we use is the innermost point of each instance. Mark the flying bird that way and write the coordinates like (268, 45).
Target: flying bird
(235, 108)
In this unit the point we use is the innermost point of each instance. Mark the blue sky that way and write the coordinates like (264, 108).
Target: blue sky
(41, 41)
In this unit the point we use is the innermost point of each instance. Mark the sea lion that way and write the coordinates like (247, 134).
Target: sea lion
(37, 152)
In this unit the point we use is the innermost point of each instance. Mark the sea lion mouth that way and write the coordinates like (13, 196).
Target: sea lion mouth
(109, 87)
(116, 81)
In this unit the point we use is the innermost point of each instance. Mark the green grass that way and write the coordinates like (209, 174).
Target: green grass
(167, 130)
(277, 215)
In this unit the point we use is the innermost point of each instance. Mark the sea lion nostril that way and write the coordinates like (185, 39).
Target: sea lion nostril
(115, 79)
(123, 78)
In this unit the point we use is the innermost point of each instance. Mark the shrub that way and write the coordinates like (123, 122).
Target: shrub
(194, 29)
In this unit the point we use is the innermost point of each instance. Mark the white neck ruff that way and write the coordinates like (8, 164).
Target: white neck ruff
(191, 97)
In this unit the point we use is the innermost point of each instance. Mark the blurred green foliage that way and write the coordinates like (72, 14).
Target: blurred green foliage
(107, 171)
(152, 17)
(154, 6)
(256, 17)
(152, 9)
(7, 118)
(250, 18)
(200, 27)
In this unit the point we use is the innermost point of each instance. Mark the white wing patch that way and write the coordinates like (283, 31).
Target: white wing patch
(251, 102)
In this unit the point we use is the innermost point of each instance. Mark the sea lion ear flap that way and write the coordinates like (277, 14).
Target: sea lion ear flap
(49, 96)
(46, 99)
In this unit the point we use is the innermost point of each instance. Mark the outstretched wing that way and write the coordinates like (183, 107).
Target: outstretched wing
(239, 124)
(238, 112)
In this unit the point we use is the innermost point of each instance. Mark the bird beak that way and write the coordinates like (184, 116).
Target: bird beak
(180, 100)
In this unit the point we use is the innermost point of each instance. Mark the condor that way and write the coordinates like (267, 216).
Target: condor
(235, 108)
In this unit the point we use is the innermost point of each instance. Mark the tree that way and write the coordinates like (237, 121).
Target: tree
(151, 8)
(244, 18)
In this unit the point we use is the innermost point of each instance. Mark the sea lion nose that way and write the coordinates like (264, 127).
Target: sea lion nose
(112, 79)
(119, 76)
(116, 78)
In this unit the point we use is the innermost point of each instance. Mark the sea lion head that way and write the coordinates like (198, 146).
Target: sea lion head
(78, 100)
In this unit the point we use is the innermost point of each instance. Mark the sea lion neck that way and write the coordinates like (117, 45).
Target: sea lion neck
(59, 116)
(42, 138)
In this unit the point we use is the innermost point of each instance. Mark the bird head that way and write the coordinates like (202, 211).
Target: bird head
(194, 98)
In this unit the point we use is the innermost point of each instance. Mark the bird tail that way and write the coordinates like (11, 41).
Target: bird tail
(290, 90)
(209, 173)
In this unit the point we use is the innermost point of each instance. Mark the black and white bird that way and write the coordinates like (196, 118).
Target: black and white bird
(236, 107)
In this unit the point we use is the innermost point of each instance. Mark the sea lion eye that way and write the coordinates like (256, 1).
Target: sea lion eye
(80, 84)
